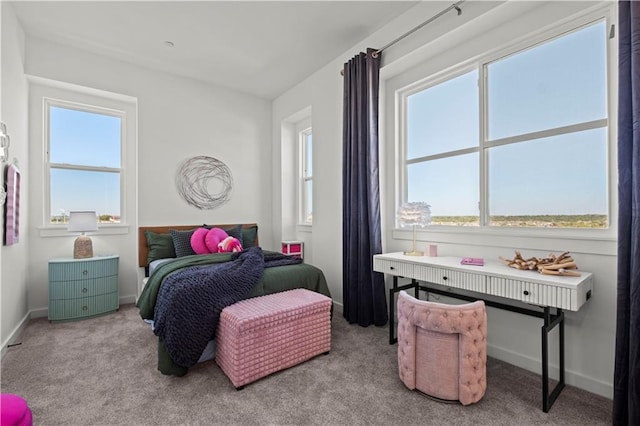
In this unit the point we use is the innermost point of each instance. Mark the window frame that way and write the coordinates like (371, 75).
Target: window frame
(303, 129)
(48, 103)
(479, 63)
(41, 89)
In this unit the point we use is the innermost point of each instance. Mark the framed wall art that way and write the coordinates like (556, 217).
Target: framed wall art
(12, 206)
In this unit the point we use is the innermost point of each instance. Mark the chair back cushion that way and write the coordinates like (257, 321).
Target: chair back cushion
(439, 345)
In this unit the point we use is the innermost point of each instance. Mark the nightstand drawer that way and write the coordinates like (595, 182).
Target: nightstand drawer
(82, 288)
(79, 270)
(65, 309)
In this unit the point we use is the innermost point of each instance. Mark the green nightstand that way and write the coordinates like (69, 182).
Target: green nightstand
(81, 288)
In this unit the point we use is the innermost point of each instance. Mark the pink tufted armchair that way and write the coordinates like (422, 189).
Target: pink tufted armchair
(442, 349)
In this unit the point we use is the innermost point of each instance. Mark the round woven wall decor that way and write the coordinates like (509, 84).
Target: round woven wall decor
(196, 177)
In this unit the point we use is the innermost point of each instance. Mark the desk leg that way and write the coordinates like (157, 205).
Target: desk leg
(392, 322)
(549, 323)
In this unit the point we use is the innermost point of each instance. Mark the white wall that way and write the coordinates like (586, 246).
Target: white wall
(512, 337)
(13, 112)
(177, 118)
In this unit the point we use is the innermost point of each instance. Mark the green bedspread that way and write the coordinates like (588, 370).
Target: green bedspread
(275, 279)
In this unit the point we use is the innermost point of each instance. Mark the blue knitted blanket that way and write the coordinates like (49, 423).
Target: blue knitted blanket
(190, 301)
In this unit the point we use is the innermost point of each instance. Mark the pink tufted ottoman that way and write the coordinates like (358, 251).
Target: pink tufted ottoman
(262, 335)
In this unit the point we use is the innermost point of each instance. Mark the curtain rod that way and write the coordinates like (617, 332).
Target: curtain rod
(455, 6)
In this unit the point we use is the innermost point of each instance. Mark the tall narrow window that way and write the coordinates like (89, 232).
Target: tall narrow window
(547, 129)
(305, 138)
(84, 161)
(442, 149)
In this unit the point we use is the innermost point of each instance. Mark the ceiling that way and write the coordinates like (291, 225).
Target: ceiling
(258, 47)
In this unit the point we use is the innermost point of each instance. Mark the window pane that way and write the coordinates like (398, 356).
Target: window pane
(84, 138)
(558, 83)
(450, 186)
(308, 150)
(308, 206)
(444, 117)
(546, 177)
(84, 190)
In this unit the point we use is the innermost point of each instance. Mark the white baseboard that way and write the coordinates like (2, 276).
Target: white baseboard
(39, 313)
(534, 365)
(338, 308)
(15, 333)
(124, 300)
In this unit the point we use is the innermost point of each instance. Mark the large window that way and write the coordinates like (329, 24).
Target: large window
(305, 143)
(519, 139)
(84, 147)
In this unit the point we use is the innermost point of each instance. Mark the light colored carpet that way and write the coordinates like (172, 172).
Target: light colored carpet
(102, 371)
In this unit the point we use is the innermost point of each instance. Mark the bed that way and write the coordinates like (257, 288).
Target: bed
(184, 293)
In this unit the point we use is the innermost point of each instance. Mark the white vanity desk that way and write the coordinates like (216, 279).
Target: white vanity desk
(491, 282)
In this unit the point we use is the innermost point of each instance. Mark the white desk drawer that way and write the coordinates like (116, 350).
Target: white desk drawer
(452, 278)
(525, 291)
(392, 267)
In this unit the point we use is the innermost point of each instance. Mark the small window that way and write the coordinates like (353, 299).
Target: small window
(84, 161)
(305, 144)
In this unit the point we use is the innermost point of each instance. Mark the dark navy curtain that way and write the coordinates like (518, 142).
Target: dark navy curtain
(363, 290)
(626, 396)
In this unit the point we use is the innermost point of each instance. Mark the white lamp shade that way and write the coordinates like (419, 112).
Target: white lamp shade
(83, 221)
(416, 214)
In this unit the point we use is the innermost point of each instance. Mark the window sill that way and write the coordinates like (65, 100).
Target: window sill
(599, 242)
(303, 227)
(61, 231)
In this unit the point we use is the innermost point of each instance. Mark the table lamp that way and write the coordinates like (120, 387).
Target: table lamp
(82, 221)
(414, 214)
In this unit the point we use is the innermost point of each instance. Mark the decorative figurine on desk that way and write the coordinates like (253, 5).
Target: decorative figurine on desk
(563, 264)
(414, 214)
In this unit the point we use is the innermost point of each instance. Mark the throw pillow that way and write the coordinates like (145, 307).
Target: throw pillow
(235, 232)
(197, 241)
(160, 246)
(250, 237)
(182, 242)
(213, 238)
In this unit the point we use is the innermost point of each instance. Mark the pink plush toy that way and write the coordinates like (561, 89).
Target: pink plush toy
(229, 245)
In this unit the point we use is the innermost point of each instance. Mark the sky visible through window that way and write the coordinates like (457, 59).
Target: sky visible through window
(554, 84)
(93, 142)
(550, 85)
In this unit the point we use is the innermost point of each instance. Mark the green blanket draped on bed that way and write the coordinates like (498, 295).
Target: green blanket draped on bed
(276, 279)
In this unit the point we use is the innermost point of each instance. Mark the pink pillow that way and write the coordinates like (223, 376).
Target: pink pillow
(15, 411)
(229, 245)
(213, 238)
(197, 241)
